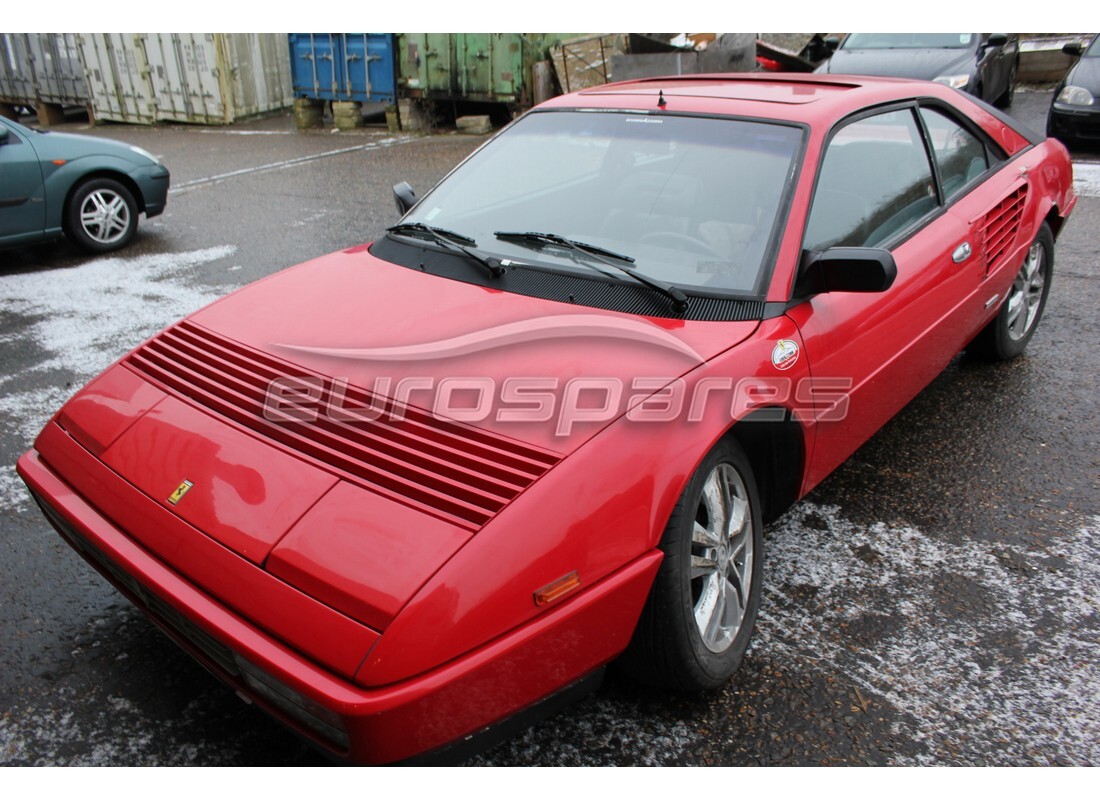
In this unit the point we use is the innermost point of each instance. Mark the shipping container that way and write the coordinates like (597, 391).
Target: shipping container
(348, 67)
(205, 78)
(41, 68)
(479, 67)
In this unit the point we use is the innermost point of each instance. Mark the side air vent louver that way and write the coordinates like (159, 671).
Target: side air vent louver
(1001, 225)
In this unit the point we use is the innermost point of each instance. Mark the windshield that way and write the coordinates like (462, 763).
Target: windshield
(1094, 48)
(924, 41)
(694, 201)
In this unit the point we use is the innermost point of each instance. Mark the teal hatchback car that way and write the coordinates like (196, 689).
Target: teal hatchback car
(89, 189)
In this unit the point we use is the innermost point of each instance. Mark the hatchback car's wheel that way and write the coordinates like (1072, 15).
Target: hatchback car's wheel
(697, 621)
(102, 215)
(1010, 331)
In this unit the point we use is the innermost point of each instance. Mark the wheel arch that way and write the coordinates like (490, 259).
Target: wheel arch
(1055, 220)
(775, 444)
(111, 174)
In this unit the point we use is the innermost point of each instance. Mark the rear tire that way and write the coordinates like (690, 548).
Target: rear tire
(702, 607)
(1005, 100)
(1007, 335)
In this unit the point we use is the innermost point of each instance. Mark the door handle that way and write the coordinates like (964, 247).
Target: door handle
(962, 252)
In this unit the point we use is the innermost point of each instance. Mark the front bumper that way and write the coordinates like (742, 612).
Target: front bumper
(153, 182)
(368, 726)
(1074, 123)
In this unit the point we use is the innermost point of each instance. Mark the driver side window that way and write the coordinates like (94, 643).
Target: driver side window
(875, 182)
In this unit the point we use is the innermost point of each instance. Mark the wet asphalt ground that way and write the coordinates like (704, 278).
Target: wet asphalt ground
(935, 601)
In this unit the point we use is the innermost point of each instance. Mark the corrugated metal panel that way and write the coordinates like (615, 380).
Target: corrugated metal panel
(260, 76)
(16, 83)
(118, 77)
(207, 78)
(41, 67)
(58, 73)
(358, 67)
(183, 70)
(492, 67)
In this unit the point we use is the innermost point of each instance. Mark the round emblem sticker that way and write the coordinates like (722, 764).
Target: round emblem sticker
(785, 354)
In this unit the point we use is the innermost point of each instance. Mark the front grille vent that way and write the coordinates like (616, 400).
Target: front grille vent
(453, 471)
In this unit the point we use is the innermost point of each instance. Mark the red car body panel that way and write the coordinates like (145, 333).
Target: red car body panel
(379, 561)
(383, 725)
(278, 315)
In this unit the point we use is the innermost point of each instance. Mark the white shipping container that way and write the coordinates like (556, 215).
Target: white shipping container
(41, 67)
(206, 78)
(118, 77)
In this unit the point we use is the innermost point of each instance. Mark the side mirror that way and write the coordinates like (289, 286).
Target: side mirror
(996, 40)
(847, 269)
(1073, 49)
(404, 196)
(832, 42)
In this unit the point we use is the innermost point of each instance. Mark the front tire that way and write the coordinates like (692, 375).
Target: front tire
(101, 216)
(1007, 335)
(702, 607)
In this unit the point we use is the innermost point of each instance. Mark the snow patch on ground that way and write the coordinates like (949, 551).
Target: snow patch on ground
(117, 734)
(84, 318)
(932, 605)
(92, 314)
(1086, 179)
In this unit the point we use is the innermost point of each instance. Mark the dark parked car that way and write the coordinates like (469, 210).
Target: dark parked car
(88, 188)
(1075, 107)
(983, 64)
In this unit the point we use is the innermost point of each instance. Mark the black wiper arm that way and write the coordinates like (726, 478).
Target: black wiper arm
(452, 241)
(553, 238)
(679, 299)
(432, 231)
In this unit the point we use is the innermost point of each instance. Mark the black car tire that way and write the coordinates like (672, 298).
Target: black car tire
(670, 649)
(1007, 335)
(1005, 100)
(101, 215)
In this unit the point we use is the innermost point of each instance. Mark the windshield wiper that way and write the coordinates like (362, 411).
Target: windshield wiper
(603, 255)
(451, 241)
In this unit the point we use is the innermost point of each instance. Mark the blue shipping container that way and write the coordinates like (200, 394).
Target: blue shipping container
(357, 67)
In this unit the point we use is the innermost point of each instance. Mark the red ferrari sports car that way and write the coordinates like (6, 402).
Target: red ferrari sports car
(409, 492)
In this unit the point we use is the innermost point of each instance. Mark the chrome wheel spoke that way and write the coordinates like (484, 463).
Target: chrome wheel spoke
(714, 496)
(715, 623)
(105, 216)
(1026, 296)
(707, 604)
(721, 557)
(703, 536)
(703, 566)
(737, 600)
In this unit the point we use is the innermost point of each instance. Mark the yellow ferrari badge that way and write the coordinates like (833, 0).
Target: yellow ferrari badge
(181, 490)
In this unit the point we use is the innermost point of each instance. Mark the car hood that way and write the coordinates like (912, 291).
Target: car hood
(460, 351)
(70, 146)
(1085, 73)
(354, 509)
(921, 64)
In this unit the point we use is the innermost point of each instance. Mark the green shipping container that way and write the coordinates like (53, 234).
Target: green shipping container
(481, 67)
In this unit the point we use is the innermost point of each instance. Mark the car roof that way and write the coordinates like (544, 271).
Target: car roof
(796, 97)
